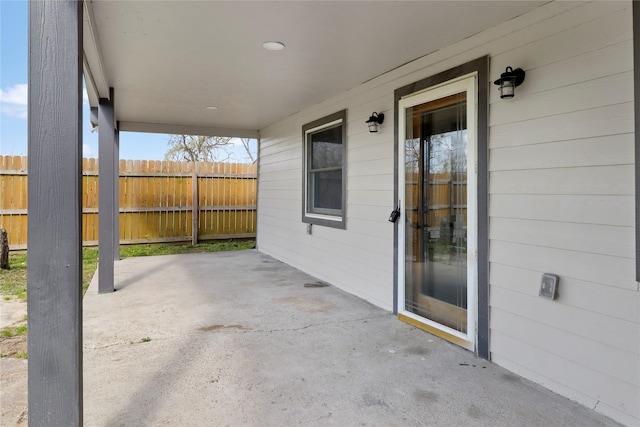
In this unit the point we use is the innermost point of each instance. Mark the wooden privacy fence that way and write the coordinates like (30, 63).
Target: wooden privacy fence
(160, 201)
(446, 197)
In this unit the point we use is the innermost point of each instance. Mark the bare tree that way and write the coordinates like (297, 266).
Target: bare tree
(246, 143)
(198, 148)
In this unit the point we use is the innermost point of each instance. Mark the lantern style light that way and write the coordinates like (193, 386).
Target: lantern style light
(508, 82)
(375, 120)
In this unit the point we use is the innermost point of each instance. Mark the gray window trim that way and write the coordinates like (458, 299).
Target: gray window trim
(330, 218)
(481, 66)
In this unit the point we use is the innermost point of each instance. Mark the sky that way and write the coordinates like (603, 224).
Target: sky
(13, 98)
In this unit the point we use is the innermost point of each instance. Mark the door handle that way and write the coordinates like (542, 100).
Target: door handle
(395, 214)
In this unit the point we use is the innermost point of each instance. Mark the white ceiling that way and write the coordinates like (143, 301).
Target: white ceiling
(169, 60)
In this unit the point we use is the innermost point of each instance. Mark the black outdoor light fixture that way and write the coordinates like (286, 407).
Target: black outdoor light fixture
(509, 80)
(375, 120)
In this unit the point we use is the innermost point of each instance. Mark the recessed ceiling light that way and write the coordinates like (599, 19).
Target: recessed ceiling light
(273, 45)
(212, 107)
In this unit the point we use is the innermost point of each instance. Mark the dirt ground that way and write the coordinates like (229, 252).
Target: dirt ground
(13, 371)
(13, 392)
(12, 346)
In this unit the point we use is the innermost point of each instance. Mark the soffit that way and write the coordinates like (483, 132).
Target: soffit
(169, 60)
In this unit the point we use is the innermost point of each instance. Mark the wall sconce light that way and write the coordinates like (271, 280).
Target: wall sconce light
(508, 82)
(375, 120)
(94, 119)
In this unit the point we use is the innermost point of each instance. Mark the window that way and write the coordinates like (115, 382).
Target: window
(324, 170)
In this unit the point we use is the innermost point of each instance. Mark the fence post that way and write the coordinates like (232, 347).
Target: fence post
(4, 250)
(195, 205)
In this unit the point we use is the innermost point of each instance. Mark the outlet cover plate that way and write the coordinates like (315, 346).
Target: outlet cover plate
(549, 286)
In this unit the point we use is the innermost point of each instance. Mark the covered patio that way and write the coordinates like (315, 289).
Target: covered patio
(239, 338)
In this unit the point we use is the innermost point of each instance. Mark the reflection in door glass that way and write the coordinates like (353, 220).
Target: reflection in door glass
(436, 211)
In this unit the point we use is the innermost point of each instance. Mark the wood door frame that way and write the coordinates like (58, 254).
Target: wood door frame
(481, 67)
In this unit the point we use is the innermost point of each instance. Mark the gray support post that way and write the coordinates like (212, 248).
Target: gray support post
(107, 175)
(116, 195)
(257, 196)
(195, 206)
(55, 213)
(636, 104)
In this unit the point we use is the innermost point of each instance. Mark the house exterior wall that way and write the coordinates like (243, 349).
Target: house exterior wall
(561, 199)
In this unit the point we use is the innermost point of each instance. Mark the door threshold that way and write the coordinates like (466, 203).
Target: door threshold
(437, 332)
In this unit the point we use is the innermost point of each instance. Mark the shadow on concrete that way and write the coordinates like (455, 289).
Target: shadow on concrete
(237, 339)
(140, 274)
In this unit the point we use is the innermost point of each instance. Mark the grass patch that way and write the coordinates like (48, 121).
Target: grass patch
(14, 332)
(174, 249)
(13, 282)
(89, 265)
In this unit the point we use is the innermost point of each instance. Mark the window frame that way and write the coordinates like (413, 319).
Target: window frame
(328, 218)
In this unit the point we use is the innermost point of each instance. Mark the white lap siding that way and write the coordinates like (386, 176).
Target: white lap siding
(561, 198)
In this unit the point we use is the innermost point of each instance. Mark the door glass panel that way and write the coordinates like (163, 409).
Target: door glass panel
(436, 211)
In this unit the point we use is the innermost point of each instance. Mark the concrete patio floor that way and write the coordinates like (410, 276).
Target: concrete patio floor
(237, 339)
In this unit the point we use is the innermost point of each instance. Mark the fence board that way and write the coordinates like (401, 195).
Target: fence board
(156, 200)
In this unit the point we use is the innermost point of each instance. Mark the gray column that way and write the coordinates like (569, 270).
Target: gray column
(55, 213)
(107, 201)
(116, 194)
(636, 103)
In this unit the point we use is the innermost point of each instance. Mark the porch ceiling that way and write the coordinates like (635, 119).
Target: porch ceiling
(169, 60)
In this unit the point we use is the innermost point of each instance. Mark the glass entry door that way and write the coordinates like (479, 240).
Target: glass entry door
(438, 254)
